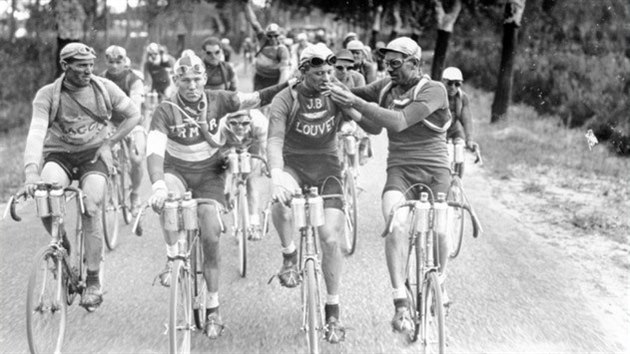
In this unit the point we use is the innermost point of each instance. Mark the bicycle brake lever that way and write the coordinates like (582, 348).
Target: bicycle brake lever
(8, 208)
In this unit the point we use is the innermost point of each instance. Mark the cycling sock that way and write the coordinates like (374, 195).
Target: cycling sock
(92, 278)
(401, 303)
(290, 257)
(331, 311)
(211, 310)
(332, 299)
(171, 250)
(290, 249)
(399, 293)
(254, 219)
(212, 299)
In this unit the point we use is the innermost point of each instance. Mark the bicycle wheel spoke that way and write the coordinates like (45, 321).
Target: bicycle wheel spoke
(110, 214)
(180, 318)
(313, 312)
(46, 304)
(433, 316)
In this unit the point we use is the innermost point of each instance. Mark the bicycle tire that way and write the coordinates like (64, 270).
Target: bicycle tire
(180, 316)
(350, 213)
(433, 333)
(313, 317)
(46, 303)
(456, 235)
(411, 284)
(242, 235)
(124, 183)
(111, 225)
(200, 288)
(74, 261)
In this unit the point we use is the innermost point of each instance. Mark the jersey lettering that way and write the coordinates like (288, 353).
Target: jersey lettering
(313, 129)
(315, 103)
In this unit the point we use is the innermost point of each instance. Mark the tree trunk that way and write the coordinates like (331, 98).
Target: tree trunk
(127, 24)
(513, 14)
(106, 23)
(446, 22)
(12, 23)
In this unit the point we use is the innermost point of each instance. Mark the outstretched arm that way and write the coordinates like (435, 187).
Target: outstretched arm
(250, 15)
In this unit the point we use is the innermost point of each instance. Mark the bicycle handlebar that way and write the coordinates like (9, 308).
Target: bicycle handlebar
(266, 167)
(137, 227)
(22, 194)
(477, 150)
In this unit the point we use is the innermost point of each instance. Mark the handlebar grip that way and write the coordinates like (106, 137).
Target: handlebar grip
(11, 206)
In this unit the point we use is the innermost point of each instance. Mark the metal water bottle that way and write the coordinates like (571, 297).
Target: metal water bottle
(299, 213)
(459, 151)
(440, 220)
(316, 208)
(189, 212)
(170, 213)
(233, 161)
(245, 162)
(350, 144)
(451, 150)
(422, 213)
(57, 201)
(41, 200)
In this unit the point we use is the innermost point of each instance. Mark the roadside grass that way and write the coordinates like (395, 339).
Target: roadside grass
(12, 155)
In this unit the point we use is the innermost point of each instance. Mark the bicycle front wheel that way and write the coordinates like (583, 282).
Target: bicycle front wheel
(244, 227)
(433, 335)
(46, 305)
(200, 289)
(124, 182)
(351, 213)
(180, 308)
(456, 220)
(111, 226)
(312, 311)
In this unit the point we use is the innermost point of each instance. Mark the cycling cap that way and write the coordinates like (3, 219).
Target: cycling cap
(153, 48)
(404, 45)
(187, 53)
(453, 74)
(225, 41)
(316, 51)
(115, 52)
(189, 63)
(78, 51)
(346, 55)
(301, 37)
(380, 44)
(272, 29)
(350, 35)
(355, 45)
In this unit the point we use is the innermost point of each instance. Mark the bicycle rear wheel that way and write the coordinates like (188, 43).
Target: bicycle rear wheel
(456, 220)
(433, 335)
(244, 227)
(46, 305)
(351, 213)
(180, 316)
(311, 307)
(199, 286)
(124, 182)
(111, 227)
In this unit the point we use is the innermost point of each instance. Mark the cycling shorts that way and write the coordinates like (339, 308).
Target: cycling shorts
(313, 170)
(202, 184)
(78, 164)
(261, 82)
(399, 178)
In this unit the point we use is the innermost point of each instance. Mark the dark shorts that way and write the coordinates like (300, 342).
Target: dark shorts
(78, 164)
(399, 178)
(202, 184)
(313, 170)
(261, 82)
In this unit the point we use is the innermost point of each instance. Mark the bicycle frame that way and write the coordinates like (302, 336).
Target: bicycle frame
(349, 147)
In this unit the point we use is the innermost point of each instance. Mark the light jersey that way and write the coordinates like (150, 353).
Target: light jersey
(253, 139)
(313, 128)
(417, 144)
(270, 59)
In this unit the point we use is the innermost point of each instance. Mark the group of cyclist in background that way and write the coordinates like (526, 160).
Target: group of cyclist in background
(311, 93)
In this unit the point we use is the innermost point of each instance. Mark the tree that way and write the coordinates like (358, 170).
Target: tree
(512, 21)
(445, 24)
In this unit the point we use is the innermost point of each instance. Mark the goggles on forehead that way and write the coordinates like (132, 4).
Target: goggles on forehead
(195, 69)
(317, 61)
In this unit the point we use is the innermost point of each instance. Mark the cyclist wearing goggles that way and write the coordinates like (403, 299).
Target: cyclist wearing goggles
(302, 150)
(362, 61)
(121, 74)
(272, 63)
(69, 132)
(462, 127)
(246, 130)
(221, 75)
(156, 70)
(184, 154)
(414, 110)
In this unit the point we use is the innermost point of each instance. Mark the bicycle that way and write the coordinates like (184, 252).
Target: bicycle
(116, 196)
(187, 304)
(240, 167)
(428, 220)
(456, 193)
(58, 274)
(349, 174)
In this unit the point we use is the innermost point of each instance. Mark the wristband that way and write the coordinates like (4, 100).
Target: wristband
(159, 185)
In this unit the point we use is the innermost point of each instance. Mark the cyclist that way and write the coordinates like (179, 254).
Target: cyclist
(350, 36)
(249, 49)
(414, 110)
(302, 151)
(157, 70)
(246, 130)
(119, 72)
(227, 49)
(351, 78)
(461, 129)
(301, 40)
(183, 154)
(220, 74)
(361, 60)
(272, 59)
(69, 130)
